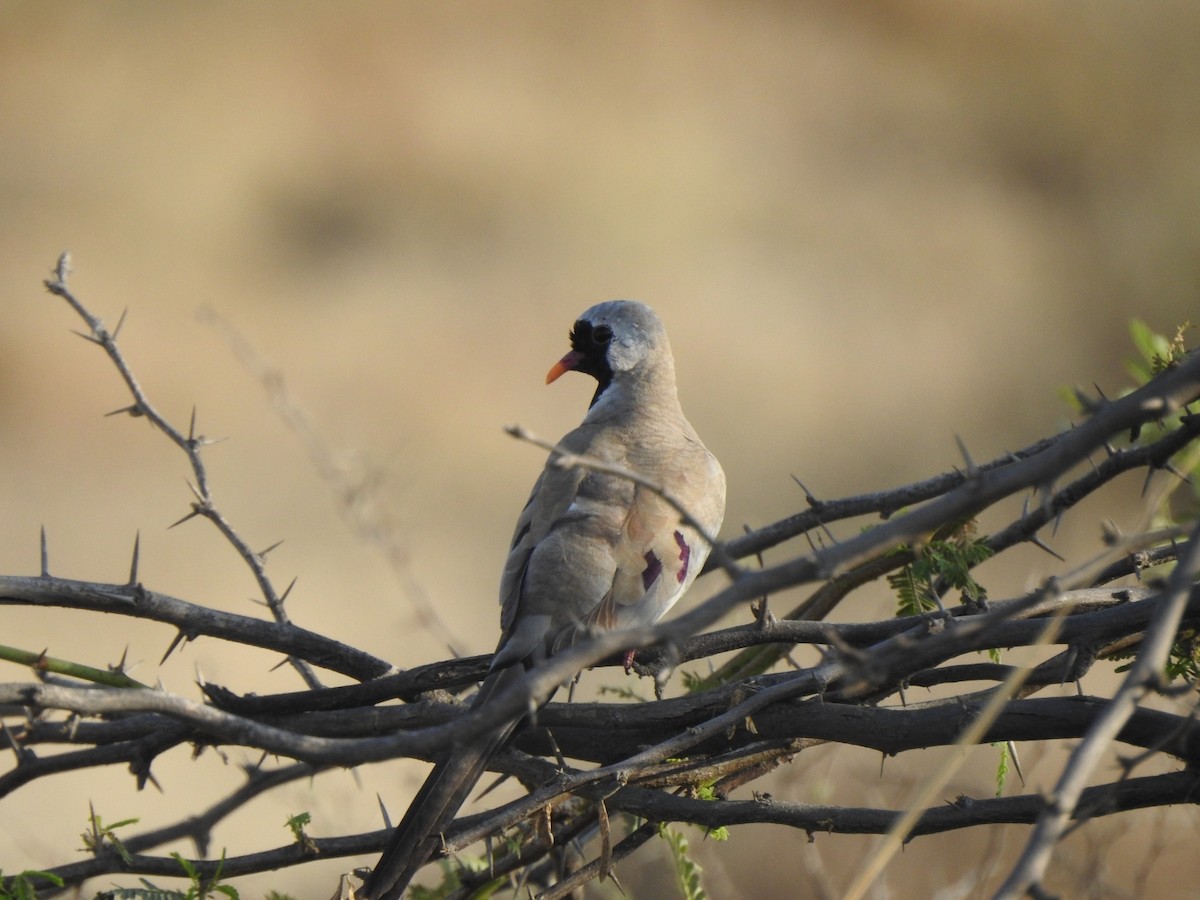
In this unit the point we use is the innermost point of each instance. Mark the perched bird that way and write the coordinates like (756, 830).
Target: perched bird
(591, 551)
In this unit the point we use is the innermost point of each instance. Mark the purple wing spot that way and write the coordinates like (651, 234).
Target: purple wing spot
(652, 571)
(685, 554)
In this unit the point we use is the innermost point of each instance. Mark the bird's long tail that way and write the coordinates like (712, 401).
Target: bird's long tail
(417, 836)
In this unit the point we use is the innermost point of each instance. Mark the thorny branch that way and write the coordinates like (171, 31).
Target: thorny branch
(590, 762)
(1144, 676)
(191, 444)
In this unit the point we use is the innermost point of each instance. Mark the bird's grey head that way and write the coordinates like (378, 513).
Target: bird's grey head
(615, 340)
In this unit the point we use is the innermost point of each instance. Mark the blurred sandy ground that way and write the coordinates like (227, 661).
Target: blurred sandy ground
(869, 227)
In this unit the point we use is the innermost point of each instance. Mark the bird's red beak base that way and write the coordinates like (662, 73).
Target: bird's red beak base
(566, 364)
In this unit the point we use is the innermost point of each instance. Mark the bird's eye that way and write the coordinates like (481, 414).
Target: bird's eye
(601, 334)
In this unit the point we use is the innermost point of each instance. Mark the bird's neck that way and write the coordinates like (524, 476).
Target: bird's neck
(650, 394)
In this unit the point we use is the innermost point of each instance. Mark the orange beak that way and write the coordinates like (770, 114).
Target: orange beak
(566, 364)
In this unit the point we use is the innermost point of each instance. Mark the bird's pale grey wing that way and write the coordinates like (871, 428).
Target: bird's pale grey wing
(526, 622)
(518, 558)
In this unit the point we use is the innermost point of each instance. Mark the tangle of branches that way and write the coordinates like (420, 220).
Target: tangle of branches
(681, 758)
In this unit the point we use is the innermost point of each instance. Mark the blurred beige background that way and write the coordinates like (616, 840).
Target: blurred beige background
(869, 227)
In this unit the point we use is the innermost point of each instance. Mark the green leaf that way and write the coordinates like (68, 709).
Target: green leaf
(1184, 658)
(911, 591)
(297, 823)
(99, 836)
(21, 887)
(149, 891)
(949, 560)
(1149, 343)
(707, 791)
(693, 682)
(186, 865)
(687, 870)
(1158, 352)
(1002, 767)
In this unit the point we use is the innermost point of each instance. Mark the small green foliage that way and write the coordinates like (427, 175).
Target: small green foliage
(948, 560)
(1183, 661)
(21, 887)
(198, 889)
(1002, 767)
(687, 870)
(1158, 352)
(148, 891)
(693, 683)
(296, 824)
(100, 837)
(708, 791)
(440, 892)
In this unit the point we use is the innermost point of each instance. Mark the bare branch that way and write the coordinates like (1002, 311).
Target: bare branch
(191, 619)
